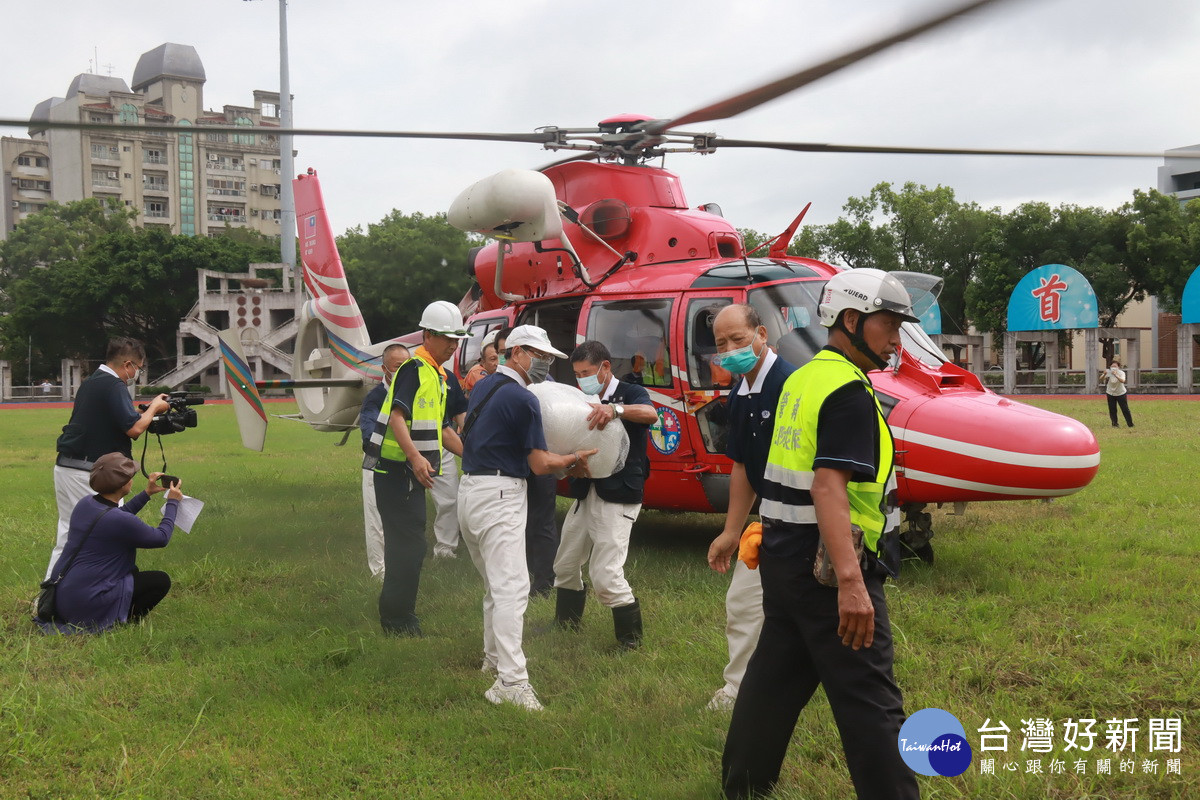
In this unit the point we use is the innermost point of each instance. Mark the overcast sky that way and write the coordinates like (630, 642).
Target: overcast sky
(1087, 74)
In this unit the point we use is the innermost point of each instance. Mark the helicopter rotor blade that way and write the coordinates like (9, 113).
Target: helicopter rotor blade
(752, 98)
(537, 137)
(819, 147)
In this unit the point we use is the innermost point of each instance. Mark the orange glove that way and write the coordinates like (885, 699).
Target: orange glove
(748, 547)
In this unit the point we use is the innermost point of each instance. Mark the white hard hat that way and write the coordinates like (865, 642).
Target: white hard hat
(866, 290)
(531, 336)
(443, 317)
(490, 338)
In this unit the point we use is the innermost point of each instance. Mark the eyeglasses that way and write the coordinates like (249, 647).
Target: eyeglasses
(137, 368)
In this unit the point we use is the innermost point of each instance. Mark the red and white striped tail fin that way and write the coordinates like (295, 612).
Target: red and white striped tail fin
(323, 274)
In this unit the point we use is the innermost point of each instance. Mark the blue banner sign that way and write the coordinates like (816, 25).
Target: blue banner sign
(931, 319)
(1053, 297)
(1191, 298)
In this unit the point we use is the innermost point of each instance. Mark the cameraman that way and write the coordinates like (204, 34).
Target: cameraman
(103, 420)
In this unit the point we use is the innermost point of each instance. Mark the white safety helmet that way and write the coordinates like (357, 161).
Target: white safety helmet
(866, 290)
(443, 317)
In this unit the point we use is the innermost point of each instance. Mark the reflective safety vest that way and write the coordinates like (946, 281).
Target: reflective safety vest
(787, 482)
(424, 424)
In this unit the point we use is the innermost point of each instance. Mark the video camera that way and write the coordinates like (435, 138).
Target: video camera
(178, 416)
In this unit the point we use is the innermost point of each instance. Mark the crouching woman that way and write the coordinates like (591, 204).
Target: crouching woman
(102, 585)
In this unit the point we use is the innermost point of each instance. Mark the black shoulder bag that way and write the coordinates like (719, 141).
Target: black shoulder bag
(474, 415)
(47, 609)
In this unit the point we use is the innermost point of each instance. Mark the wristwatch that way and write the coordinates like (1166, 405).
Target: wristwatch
(619, 410)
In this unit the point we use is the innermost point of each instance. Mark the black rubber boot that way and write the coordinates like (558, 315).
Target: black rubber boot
(568, 608)
(627, 623)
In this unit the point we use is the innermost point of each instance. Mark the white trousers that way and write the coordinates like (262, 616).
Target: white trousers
(372, 524)
(492, 509)
(743, 622)
(70, 486)
(597, 532)
(445, 501)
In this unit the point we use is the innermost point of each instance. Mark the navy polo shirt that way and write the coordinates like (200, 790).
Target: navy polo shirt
(100, 417)
(369, 414)
(508, 427)
(752, 421)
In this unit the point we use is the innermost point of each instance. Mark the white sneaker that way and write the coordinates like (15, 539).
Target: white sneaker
(723, 700)
(520, 694)
(488, 666)
(443, 551)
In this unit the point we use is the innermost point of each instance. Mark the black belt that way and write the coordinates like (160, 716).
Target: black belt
(495, 473)
(73, 463)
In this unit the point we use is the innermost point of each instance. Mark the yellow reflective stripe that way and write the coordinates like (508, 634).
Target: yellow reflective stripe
(792, 479)
(783, 512)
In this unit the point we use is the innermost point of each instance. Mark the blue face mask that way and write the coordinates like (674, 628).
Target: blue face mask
(590, 384)
(739, 361)
(500, 360)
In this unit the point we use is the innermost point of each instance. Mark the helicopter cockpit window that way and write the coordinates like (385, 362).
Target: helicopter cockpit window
(702, 345)
(471, 347)
(636, 333)
(789, 312)
(917, 343)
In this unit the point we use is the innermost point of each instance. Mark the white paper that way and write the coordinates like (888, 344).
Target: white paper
(189, 509)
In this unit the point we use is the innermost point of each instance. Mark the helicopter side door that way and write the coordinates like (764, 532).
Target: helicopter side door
(643, 335)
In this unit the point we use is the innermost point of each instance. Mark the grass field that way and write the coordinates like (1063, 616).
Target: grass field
(264, 675)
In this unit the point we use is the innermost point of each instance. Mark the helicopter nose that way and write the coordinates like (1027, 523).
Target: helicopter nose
(986, 447)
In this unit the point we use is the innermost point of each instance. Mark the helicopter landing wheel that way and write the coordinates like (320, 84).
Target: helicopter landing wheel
(915, 532)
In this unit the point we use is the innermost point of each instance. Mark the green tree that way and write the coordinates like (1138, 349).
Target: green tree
(1163, 244)
(59, 232)
(401, 264)
(1017, 244)
(137, 283)
(55, 236)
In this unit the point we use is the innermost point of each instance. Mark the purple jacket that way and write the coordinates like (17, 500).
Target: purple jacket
(98, 588)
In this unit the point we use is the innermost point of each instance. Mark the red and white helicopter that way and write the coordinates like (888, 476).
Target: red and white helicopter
(604, 246)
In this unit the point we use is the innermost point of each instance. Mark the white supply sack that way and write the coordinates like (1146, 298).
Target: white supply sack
(565, 411)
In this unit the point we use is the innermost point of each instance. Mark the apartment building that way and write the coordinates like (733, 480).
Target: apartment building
(1180, 176)
(192, 183)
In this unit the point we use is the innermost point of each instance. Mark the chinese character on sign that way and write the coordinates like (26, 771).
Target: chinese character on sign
(1103, 766)
(1033, 765)
(987, 766)
(1173, 766)
(1048, 295)
(1127, 765)
(1038, 735)
(1166, 734)
(1081, 767)
(1071, 731)
(1057, 767)
(1150, 766)
(1121, 734)
(994, 738)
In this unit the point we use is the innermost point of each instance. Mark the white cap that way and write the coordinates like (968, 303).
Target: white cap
(490, 338)
(531, 336)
